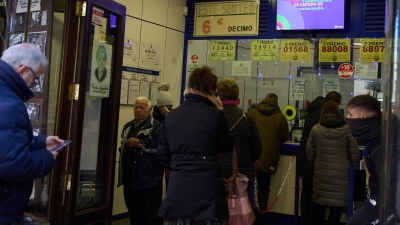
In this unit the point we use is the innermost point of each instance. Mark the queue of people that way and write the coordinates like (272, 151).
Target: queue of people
(192, 144)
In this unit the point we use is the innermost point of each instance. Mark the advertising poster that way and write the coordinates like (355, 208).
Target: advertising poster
(264, 50)
(100, 69)
(124, 92)
(38, 39)
(241, 68)
(223, 50)
(22, 6)
(153, 93)
(295, 50)
(150, 55)
(133, 92)
(366, 70)
(130, 52)
(297, 89)
(330, 85)
(144, 89)
(98, 17)
(39, 18)
(15, 39)
(372, 50)
(334, 50)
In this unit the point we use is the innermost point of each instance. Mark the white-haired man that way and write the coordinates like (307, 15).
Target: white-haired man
(140, 172)
(23, 157)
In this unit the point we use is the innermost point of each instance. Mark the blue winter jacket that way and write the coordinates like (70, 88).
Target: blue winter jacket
(23, 157)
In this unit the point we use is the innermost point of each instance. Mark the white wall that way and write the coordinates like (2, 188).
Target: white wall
(161, 23)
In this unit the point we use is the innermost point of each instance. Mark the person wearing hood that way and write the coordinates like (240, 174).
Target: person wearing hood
(23, 157)
(304, 170)
(164, 102)
(364, 120)
(273, 129)
(330, 150)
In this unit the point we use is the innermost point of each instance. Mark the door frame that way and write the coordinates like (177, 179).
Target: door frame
(70, 115)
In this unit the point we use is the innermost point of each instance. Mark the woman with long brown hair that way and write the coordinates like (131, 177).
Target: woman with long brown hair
(330, 150)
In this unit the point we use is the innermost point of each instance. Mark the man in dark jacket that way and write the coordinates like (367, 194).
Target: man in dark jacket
(304, 169)
(139, 170)
(273, 129)
(364, 120)
(23, 157)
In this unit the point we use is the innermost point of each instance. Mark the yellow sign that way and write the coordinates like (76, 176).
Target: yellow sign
(372, 50)
(294, 50)
(222, 50)
(264, 50)
(334, 50)
(226, 18)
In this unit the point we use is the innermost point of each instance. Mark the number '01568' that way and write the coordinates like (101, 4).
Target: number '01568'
(295, 49)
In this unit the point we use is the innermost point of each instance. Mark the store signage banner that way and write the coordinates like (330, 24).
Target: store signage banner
(295, 50)
(334, 50)
(264, 50)
(372, 50)
(223, 50)
(232, 18)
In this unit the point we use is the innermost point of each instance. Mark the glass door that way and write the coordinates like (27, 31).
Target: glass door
(88, 180)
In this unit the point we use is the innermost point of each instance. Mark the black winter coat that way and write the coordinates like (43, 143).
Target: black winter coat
(191, 138)
(247, 143)
(304, 169)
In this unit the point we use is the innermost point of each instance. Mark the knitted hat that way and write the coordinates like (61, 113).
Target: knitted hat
(164, 97)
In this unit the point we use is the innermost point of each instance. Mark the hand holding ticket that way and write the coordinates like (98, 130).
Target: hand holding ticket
(60, 146)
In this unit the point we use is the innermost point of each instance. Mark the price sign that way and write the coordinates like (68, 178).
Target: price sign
(346, 70)
(295, 50)
(331, 85)
(334, 50)
(231, 18)
(297, 90)
(222, 50)
(372, 50)
(264, 50)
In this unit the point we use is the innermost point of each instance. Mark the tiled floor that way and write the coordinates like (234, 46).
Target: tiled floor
(124, 222)
(121, 222)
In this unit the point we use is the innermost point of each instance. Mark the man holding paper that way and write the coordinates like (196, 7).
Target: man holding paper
(23, 157)
(140, 172)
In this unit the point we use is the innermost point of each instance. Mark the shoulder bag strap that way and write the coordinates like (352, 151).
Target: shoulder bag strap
(234, 157)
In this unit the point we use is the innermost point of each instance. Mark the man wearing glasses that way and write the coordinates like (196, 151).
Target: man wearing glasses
(23, 157)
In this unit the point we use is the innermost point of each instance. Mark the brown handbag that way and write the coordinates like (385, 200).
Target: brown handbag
(240, 210)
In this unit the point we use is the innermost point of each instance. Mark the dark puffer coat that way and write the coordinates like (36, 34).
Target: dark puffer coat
(247, 143)
(191, 138)
(331, 149)
(304, 169)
